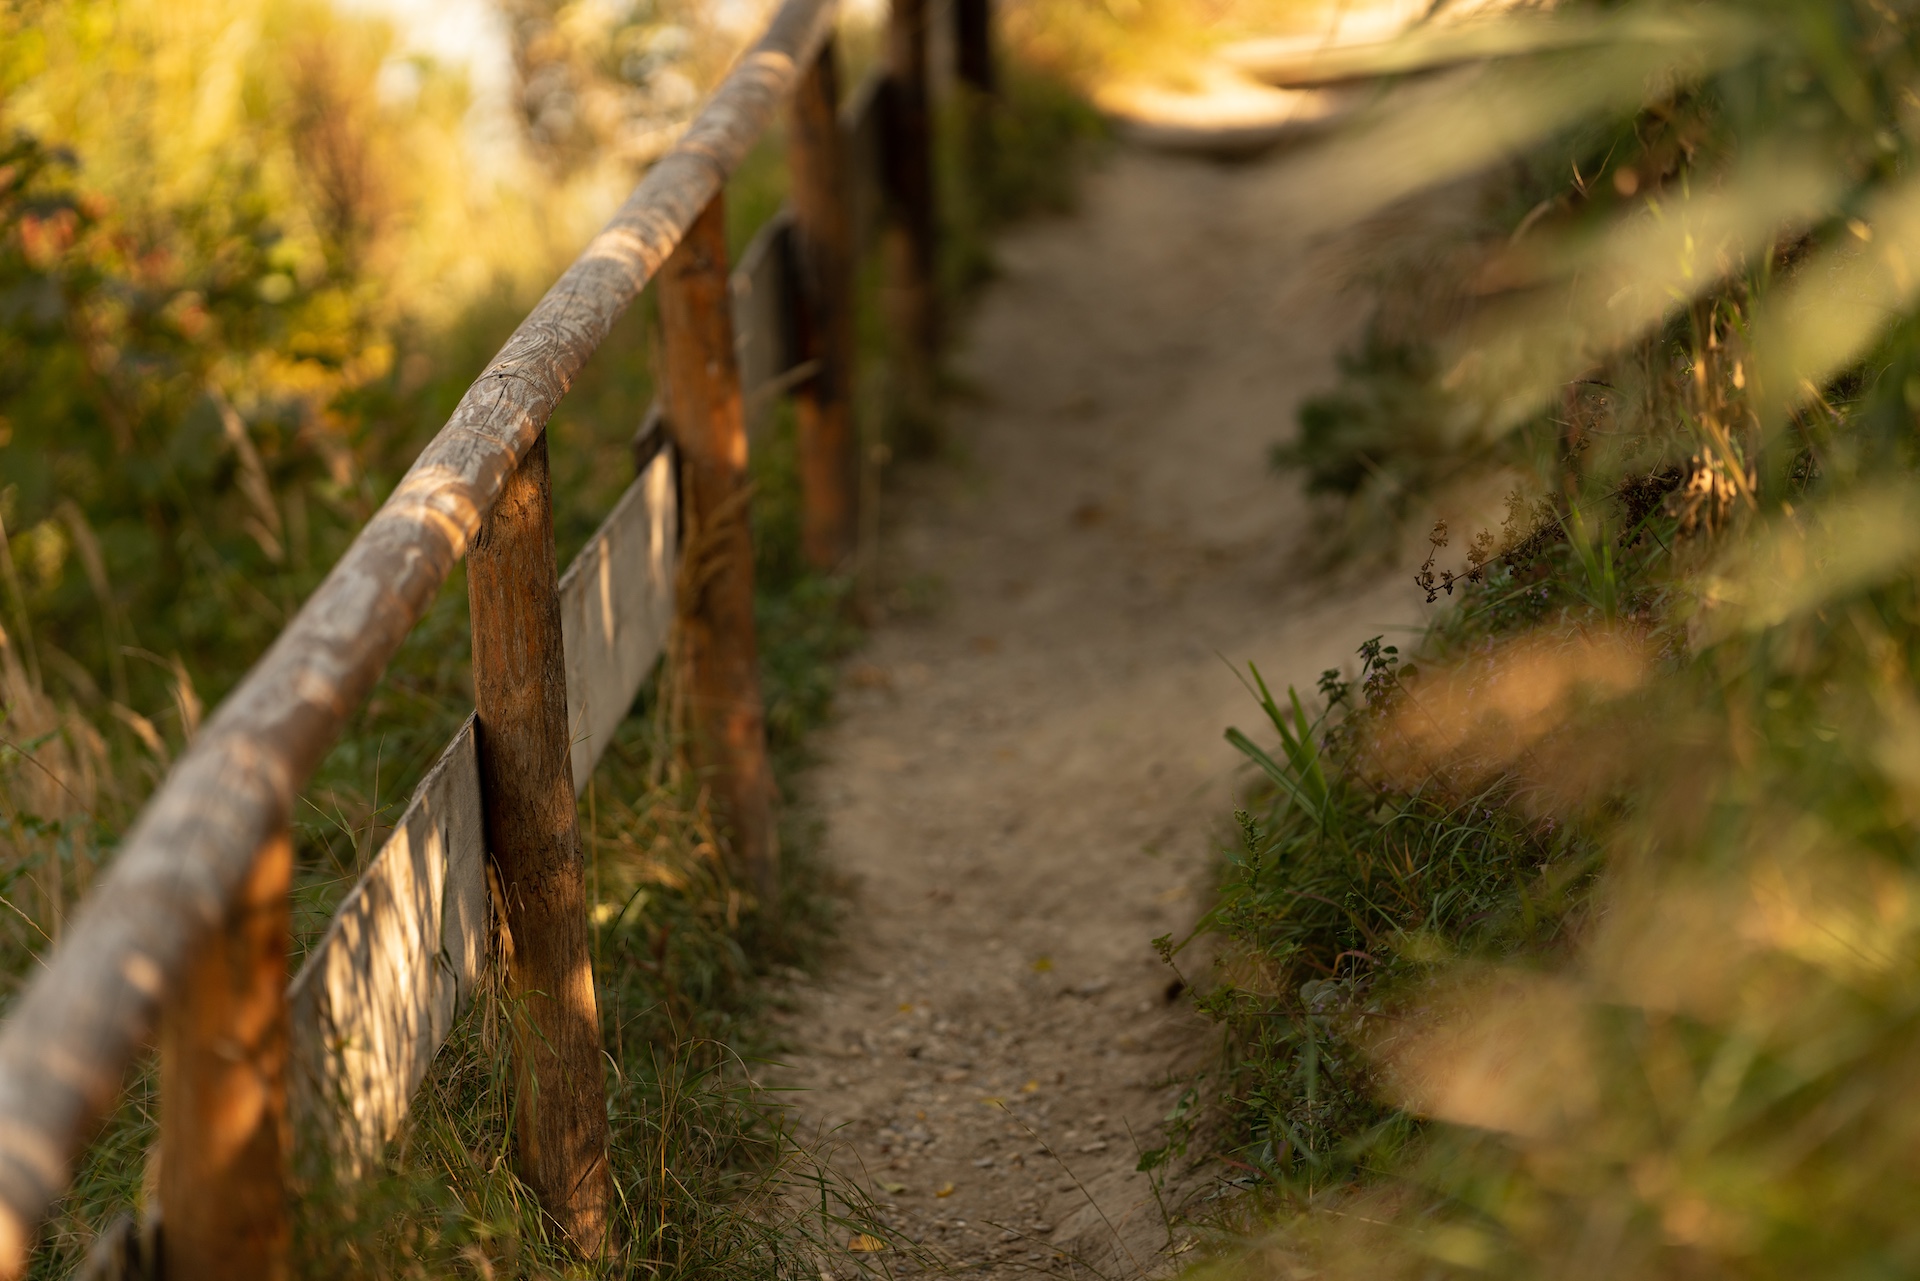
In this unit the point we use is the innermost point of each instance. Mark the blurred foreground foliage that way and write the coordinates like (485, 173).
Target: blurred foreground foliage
(1588, 943)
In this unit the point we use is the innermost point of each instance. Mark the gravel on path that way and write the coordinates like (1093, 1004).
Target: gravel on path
(1026, 781)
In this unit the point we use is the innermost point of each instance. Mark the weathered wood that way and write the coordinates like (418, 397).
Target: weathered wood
(379, 993)
(973, 44)
(766, 337)
(716, 577)
(66, 1047)
(616, 606)
(224, 1142)
(908, 241)
(526, 792)
(823, 254)
(863, 125)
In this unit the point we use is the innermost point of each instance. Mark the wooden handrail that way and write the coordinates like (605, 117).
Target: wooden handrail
(67, 1045)
(323, 1071)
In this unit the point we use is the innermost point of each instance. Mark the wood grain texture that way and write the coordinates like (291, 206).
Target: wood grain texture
(67, 1044)
(616, 608)
(380, 992)
(404, 954)
(823, 257)
(715, 610)
(224, 1141)
(533, 835)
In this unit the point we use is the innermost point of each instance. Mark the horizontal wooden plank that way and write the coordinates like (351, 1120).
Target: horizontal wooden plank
(616, 606)
(379, 993)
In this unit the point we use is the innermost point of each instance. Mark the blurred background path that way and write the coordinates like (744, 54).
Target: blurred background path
(1027, 769)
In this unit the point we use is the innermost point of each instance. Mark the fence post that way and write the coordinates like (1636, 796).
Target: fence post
(824, 250)
(715, 610)
(908, 243)
(973, 43)
(224, 1140)
(526, 782)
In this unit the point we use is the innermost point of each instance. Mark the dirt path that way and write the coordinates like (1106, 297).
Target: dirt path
(1027, 780)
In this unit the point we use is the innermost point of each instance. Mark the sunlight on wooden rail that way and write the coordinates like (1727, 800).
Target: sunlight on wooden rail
(380, 992)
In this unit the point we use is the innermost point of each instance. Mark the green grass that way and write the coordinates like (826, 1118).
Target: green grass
(1345, 887)
(1589, 947)
(709, 1180)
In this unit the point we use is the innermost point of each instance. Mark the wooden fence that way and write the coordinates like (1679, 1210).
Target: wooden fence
(187, 934)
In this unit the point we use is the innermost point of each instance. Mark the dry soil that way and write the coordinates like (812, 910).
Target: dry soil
(1026, 781)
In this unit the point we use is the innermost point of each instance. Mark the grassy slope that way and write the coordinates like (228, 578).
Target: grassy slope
(1588, 948)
